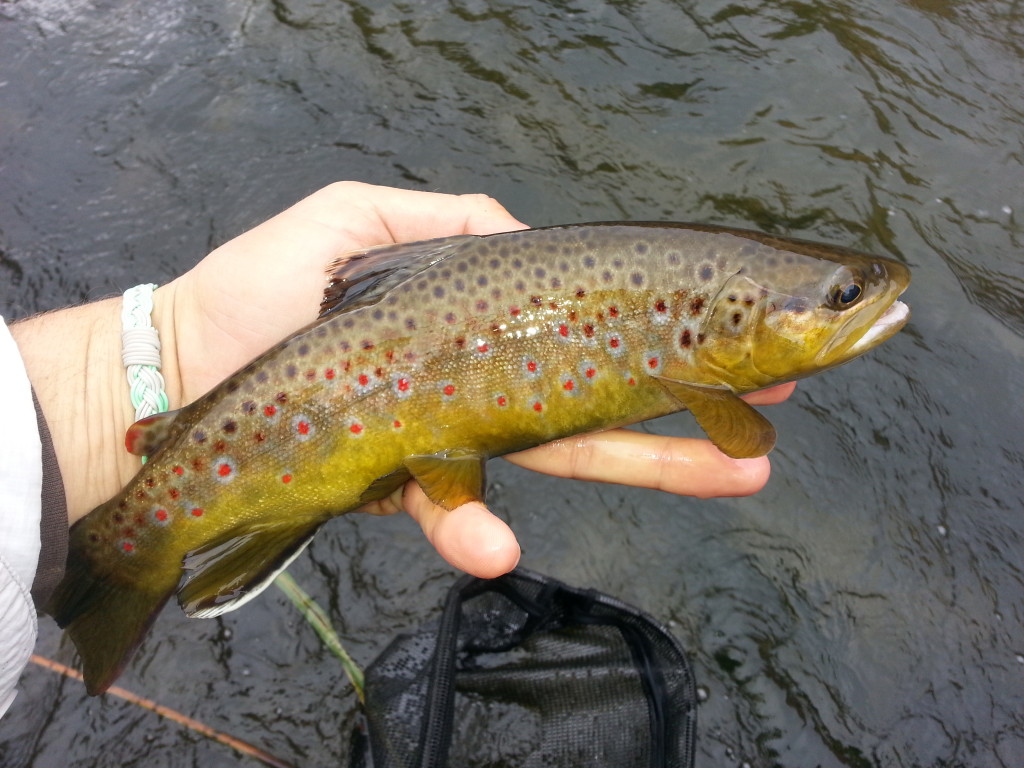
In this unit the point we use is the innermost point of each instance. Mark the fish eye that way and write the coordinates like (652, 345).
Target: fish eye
(844, 296)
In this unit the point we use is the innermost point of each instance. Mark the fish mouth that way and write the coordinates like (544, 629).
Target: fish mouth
(885, 325)
(888, 323)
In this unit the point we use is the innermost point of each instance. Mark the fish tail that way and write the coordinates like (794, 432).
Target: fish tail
(105, 618)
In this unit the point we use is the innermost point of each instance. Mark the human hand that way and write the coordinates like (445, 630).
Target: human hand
(267, 283)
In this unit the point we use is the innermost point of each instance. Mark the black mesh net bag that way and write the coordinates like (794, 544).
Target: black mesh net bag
(528, 672)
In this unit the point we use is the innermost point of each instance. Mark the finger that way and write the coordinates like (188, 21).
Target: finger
(372, 215)
(468, 537)
(684, 466)
(772, 395)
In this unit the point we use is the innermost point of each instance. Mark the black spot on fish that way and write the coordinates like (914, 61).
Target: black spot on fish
(641, 248)
(556, 283)
(460, 342)
(199, 436)
(737, 318)
(438, 292)
(536, 300)
(262, 376)
(637, 279)
(290, 371)
(517, 263)
(697, 305)
(460, 285)
(481, 280)
(410, 324)
(606, 276)
(378, 314)
(706, 272)
(673, 257)
(540, 272)
(461, 266)
(450, 318)
(303, 349)
(366, 344)
(580, 293)
(700, 338)
(248, 407)
(588, 262)
(281, 397)
(494, 263)
(230, 427)
(685, 339)
(445, 273)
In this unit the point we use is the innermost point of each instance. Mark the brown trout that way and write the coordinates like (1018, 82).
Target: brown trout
(431, 357)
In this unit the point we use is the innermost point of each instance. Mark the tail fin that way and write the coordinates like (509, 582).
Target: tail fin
(106, 620)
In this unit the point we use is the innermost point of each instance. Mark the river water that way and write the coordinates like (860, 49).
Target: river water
(865, 609)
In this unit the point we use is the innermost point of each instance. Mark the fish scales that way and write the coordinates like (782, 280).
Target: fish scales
(496, 344)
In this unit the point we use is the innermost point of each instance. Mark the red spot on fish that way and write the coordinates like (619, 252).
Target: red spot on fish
(697, 305)
(685, 339)
(128, 546)
(329, 373)
(356, 428)
(174, 493)
(632, 381)
(588, 331)
(270, 410)
(161, 515)
(590, 373)
(397, 424)
(286, 478)
(197, 511)
(302, 427)
(514, 311)
(220, 446)
(563, 330)
(652, 362)
(568, 386)
(402, 385)
(481, 306)
(363, 379)
(310, 375)
(614, 342)
(259, 437)
(613, 311)
(501, 400)
(538, 406)
(224, 470)
(531, 366)
(198, 464)
(449, 389)
(660, 306)
(482, 348)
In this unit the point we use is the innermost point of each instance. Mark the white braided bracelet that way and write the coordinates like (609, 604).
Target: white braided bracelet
(140, 352)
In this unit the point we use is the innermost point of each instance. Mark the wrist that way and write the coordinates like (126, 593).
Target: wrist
(72, 357)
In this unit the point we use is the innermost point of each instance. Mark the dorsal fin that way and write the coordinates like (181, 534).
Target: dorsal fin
(361, 278)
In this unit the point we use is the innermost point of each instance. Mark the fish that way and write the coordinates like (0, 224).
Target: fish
(429, 358)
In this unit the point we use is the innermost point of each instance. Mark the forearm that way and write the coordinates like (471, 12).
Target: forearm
(73, 360)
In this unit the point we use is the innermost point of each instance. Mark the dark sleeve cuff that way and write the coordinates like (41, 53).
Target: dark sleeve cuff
(53, 523)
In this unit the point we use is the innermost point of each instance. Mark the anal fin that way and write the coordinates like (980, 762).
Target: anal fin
(451, 478)
(224, 576)
(732, 424)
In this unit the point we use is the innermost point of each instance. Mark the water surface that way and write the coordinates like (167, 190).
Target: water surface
(864, 610)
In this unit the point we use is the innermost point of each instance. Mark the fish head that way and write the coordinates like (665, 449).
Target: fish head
(802, 309)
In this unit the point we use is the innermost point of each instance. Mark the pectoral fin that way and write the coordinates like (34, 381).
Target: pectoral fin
(224, 576)
(732, 425)
(449, 479)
